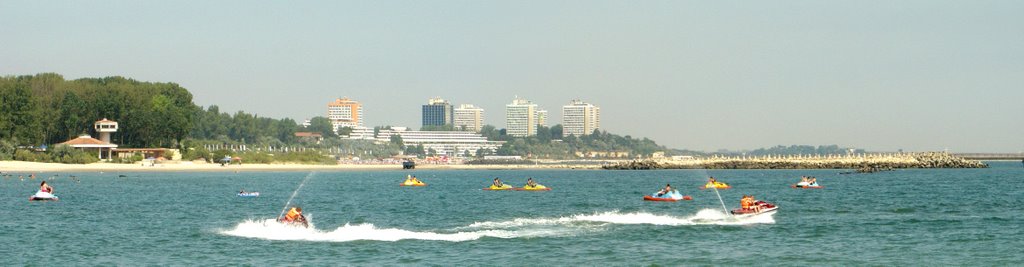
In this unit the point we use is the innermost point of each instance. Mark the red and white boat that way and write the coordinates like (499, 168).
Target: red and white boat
(760, 207)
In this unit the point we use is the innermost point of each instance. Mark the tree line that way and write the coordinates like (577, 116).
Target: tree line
(46, 109)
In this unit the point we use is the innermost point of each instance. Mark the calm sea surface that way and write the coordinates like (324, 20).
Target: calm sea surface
(591, 217)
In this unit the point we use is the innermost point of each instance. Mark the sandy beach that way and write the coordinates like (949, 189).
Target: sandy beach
(22, 166)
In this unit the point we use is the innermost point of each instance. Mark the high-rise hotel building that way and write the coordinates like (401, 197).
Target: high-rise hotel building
(469, 118)
(522, 118)
(344, 112)
(580, 118)
(438, 112)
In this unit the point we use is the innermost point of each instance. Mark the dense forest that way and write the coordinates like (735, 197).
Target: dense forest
(46, 109)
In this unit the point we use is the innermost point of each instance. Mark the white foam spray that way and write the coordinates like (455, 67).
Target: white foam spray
(516, 228)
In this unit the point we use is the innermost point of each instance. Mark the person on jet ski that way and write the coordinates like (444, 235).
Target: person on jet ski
(748, 203)
(666, 190)
(497, 182)
(804, 181)
(530, 182)
(43, 187)
(294, 215)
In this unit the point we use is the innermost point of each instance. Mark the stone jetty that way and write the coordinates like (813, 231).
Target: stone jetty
(861, 162)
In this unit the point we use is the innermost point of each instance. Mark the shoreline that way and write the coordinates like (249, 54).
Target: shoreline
(8, 167)
(28, 167)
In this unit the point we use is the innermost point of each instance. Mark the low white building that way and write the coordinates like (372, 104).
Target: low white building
(360, 133)
(451, 143)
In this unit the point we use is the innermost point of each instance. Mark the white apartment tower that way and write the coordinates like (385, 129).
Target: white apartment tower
(580, 118)
(469, 117)
(521, 118)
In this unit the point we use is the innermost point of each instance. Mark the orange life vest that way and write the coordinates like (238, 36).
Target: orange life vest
(292, 215)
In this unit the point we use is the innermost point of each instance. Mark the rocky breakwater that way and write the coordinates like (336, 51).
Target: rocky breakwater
(875, 162)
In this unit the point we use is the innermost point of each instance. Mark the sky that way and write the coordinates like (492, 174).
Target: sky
(701, 75)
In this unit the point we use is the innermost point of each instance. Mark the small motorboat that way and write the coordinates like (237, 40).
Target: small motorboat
(43, 196)
(497, 188)
(670, 197)
(249, 194)
(806, 186)
(718, 185)
(760, 207)
(532, 188)
(412, 183)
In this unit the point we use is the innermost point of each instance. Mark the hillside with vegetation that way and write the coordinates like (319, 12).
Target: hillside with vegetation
(45, 109)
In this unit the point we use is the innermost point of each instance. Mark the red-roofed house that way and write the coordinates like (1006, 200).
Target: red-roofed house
(309, 137)
(87, 142)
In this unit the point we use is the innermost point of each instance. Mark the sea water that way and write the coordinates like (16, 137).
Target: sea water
(590, 217)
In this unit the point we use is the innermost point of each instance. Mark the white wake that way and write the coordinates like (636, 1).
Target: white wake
(270, 229)
(703, 217)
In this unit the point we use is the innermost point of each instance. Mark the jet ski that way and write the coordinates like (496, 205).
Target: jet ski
(761, 208)
(670, 197)
(43, 196)
(301, 221)
(497, 188)
(249, 194)
(532, 188)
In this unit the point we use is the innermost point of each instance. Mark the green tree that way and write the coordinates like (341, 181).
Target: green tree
(556, 131)
(397, 140)
(321, 125)
(344, 131)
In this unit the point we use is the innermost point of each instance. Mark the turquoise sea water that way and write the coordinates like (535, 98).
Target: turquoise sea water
(591, 217)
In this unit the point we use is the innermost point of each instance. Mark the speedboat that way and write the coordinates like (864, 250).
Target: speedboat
(412, 183)
(499, 188)
(43, 196)
(670, 197)
(807, 186)
(760, 207)
(249, 194)
(532, 188)
(718, 185)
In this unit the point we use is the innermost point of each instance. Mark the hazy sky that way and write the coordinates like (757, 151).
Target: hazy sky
(706, 75)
